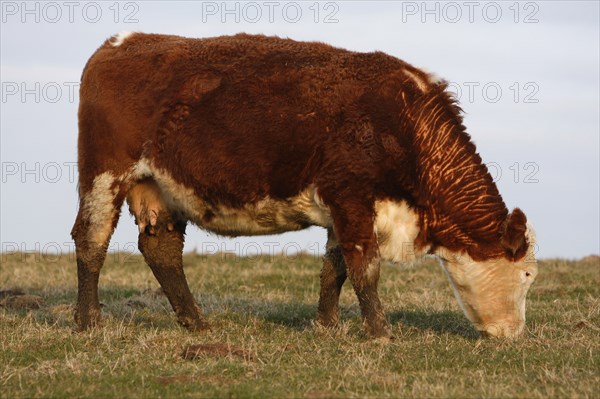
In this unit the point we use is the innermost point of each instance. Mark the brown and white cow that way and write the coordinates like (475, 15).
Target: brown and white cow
(248, 135)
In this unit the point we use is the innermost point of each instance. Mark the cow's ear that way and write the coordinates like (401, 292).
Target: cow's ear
(514, 239)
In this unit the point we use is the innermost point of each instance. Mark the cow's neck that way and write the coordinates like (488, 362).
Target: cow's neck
(461, 209)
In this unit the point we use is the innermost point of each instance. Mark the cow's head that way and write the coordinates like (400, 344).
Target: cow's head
(492, 293)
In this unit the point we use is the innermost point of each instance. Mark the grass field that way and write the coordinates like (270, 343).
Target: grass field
(263, 342)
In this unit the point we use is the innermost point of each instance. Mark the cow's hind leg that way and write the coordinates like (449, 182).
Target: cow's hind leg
(99, 207)
(353, 225)
(333, 276)
(161, 240)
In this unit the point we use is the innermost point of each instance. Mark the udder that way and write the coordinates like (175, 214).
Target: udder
(146, 203)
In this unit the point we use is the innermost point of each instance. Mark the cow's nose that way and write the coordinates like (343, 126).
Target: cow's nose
(511, 331)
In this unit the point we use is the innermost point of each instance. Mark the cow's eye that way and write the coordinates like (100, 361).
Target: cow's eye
(527, 274)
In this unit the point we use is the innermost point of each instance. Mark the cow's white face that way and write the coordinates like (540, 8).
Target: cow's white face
(493, 293)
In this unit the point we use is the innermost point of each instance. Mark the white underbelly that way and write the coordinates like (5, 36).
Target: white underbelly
(267, 216)
(396, 224)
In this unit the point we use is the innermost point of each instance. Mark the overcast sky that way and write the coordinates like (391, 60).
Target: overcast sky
(527, 75)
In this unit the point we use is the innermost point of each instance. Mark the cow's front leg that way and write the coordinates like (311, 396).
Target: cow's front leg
(354, 229)
(364, 274)
(333, 276)
(162, 247)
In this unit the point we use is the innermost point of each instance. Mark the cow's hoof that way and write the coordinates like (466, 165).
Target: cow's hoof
(197, 325)
(327, 322)
(383, 340)
(86, 320)
(329, 329)
(383, 333)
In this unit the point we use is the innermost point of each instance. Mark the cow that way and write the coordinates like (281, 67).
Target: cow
(251, 135)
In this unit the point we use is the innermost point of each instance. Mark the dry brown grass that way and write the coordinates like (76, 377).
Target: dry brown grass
(263, 342)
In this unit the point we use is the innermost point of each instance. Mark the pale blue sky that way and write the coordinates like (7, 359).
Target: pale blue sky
(527, 73)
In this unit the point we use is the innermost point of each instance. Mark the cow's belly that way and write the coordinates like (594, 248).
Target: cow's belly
(266, 216)
(396, 224)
